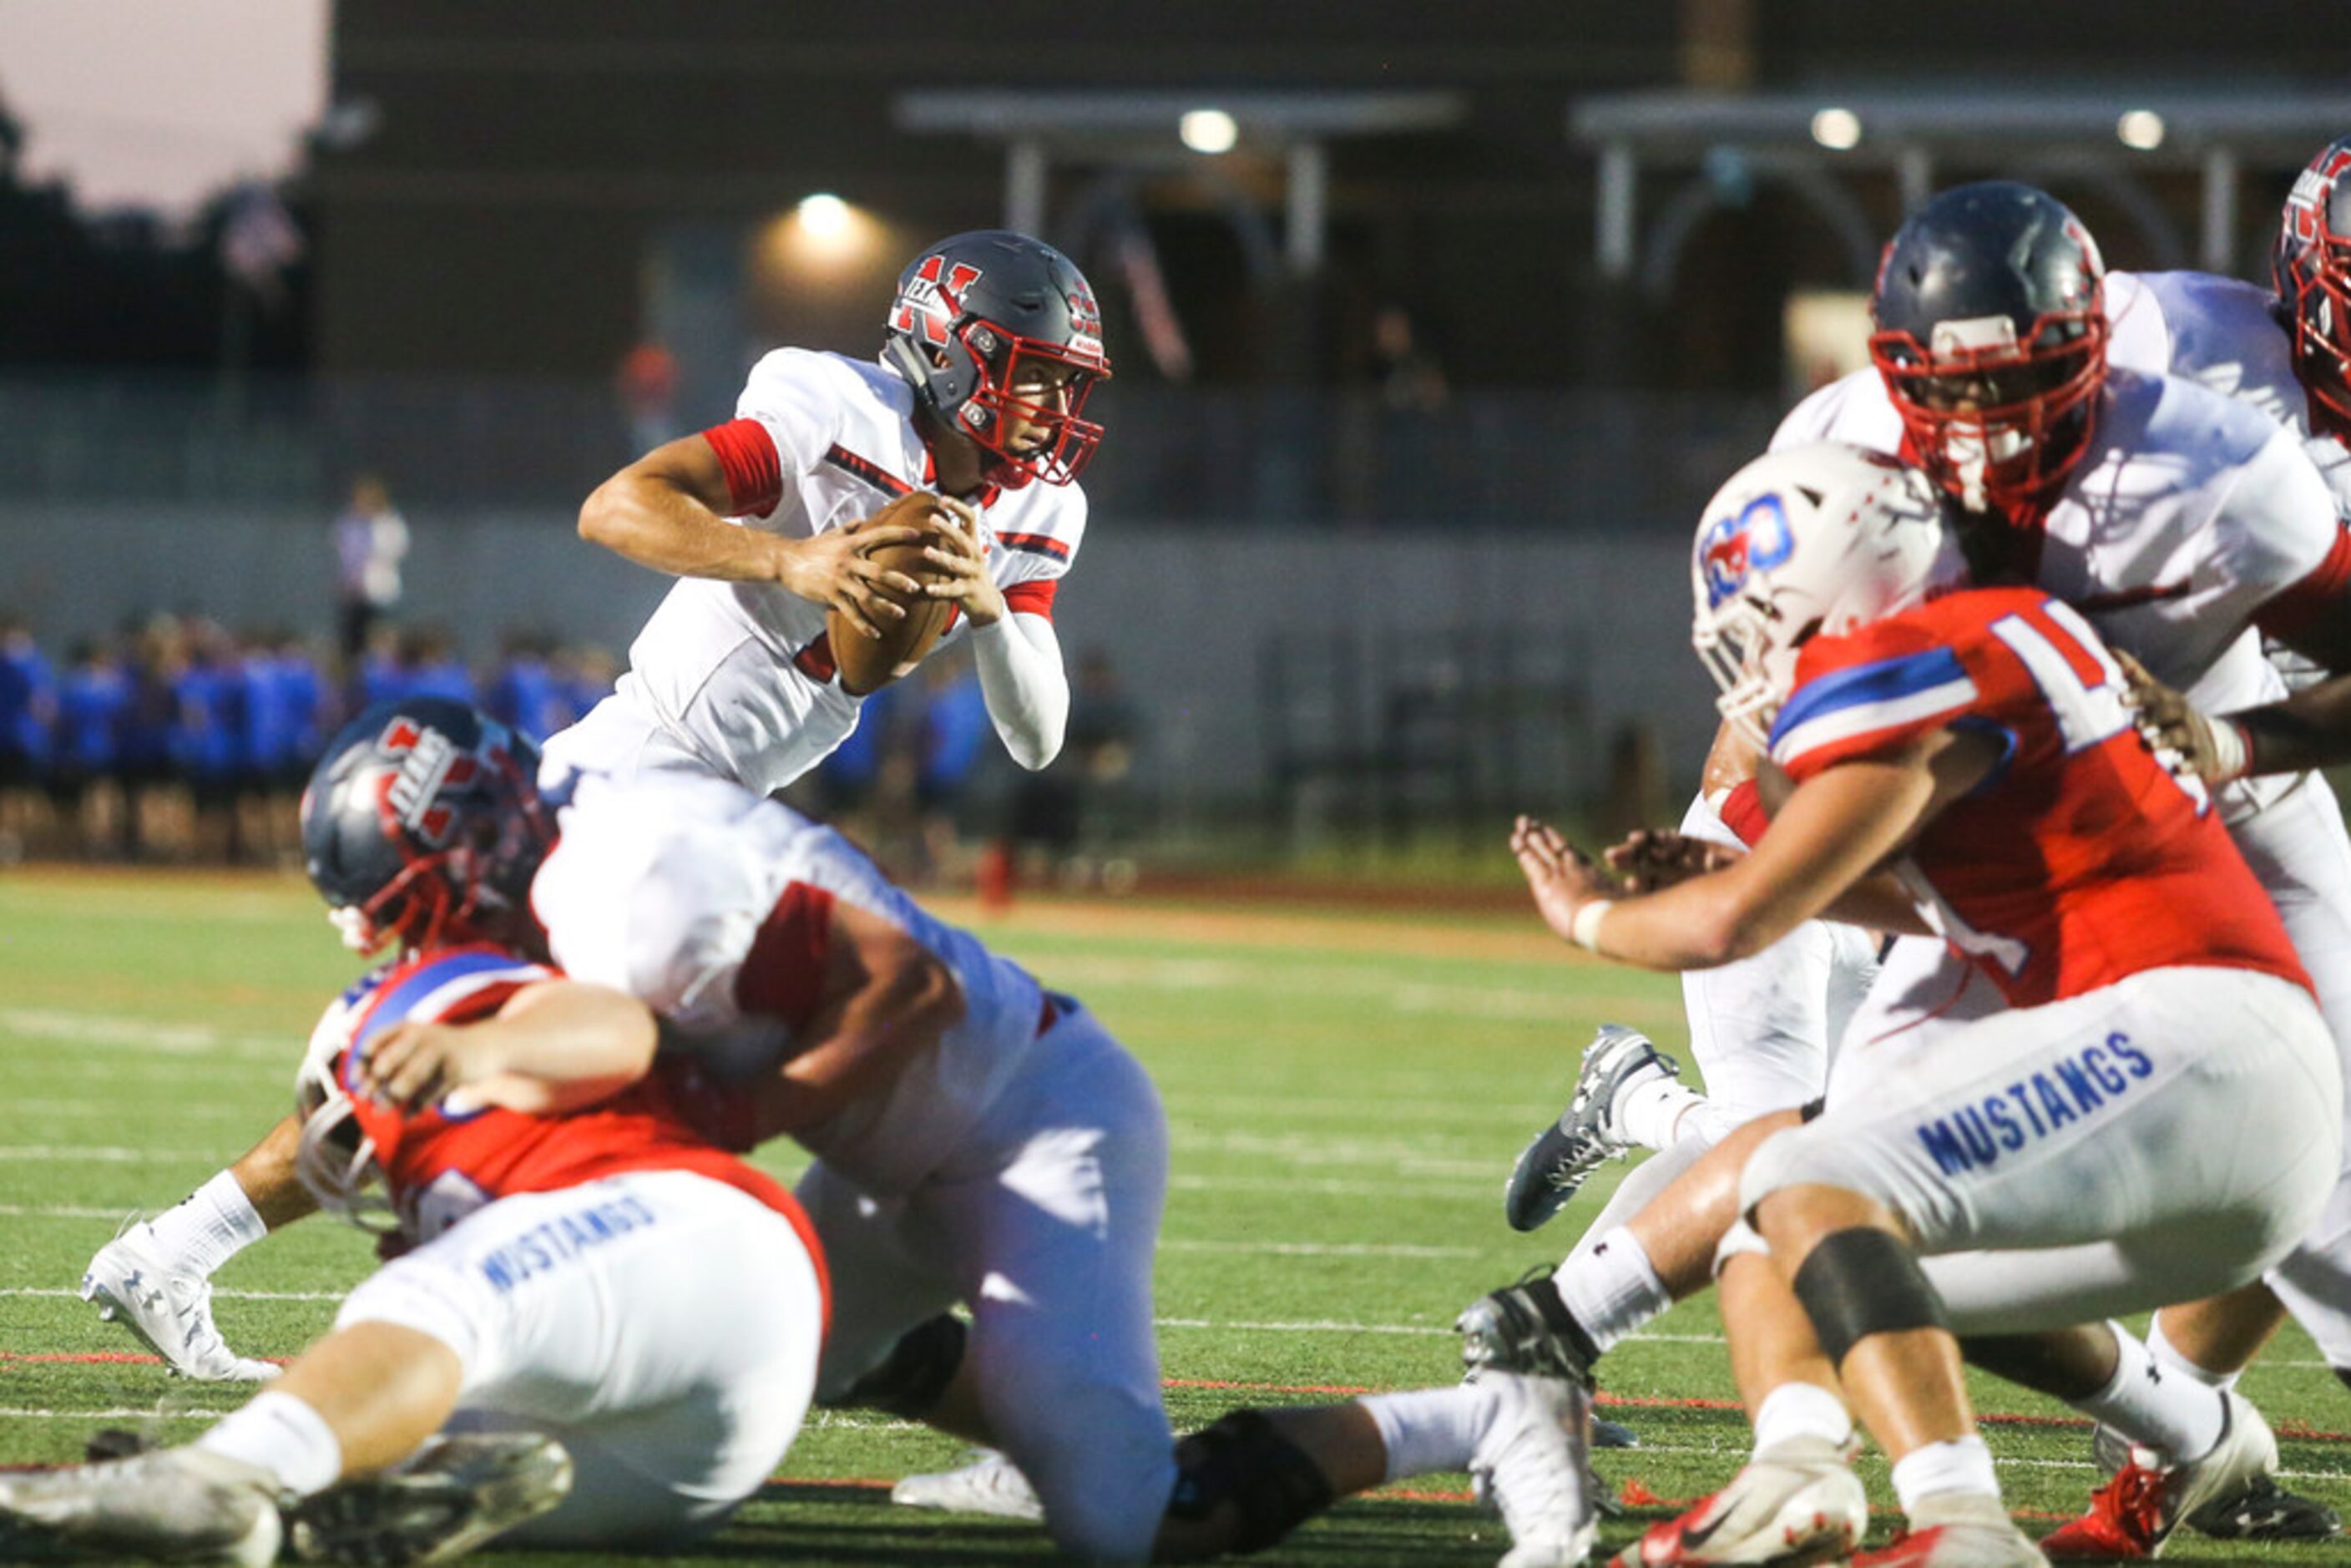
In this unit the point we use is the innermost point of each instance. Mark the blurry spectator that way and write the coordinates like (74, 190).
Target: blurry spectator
(953, 739)
(647, 383)
(1408, 375)
(156, 810)
(382, 674)
(93, 723)
(371, 538)
(279, 720)
(1083, 793)
(28, 708)
(434, 667)
(527, 693)
(207, 723)
(303, 697)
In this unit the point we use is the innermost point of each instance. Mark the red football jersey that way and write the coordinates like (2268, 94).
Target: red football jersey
(2080, 859)
(443, 1161)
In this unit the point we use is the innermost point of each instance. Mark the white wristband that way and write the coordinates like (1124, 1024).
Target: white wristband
(1583, 930)
(2231, 755)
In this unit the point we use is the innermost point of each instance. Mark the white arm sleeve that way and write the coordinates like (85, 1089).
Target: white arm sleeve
(1027, 692)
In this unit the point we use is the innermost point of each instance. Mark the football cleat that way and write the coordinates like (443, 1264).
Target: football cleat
(990, 1483)
(169, 1310)
(2133, 1515)
(2260, 1511)
(1800, 1503)
(1956, 1529)
(175, 1505)
(452, 1495)
(1525, 1328)
(1528, 1467)
(1554, 1167)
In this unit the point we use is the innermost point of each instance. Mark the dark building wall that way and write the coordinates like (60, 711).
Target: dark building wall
(531, 151)
(531, 155)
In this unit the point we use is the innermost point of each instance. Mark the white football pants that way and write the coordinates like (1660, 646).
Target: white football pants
(674, 1356)
(2158, 1140)
(1043, 1222)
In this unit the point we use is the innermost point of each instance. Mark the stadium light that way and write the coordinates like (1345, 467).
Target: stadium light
(1838, 129)
(820, 234)
(2140, 129)
(824, 217)
(1209, 130)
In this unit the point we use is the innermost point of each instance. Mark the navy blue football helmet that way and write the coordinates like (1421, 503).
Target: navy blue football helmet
(1992, 336)
(993, 329)
(423, 825)
(2312, 267)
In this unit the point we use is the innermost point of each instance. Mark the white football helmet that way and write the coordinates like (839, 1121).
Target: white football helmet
(1815, 539)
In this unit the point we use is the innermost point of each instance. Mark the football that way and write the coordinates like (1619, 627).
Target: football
(865, 663)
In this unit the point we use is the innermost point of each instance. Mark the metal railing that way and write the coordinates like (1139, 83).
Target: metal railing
(1286, 456)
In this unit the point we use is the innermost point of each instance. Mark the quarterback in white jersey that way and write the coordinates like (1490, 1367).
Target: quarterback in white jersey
(973, 416)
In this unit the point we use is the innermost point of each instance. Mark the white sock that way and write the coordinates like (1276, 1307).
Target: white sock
(209, 1226)
(2155, 1407)
(1964, 1465)
(1801, 1410)
(2169, 1358)
(1431, 1430)
(283, 1435)
(1651, 1111)
(1610, 1288)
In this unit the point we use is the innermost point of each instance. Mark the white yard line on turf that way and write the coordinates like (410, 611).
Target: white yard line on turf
(105, 1153)
(1171, 1244)
(144, 1034)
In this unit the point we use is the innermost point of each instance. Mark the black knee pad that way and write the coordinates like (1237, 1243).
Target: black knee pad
(1244, 1460)
(918, 1370)
(1862, 1281)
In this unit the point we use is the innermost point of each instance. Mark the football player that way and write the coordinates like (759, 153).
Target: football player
(614, 1349)
(990, 350)
(981, 1140)
(973, 421)
(2140, 999)
(2184, 520)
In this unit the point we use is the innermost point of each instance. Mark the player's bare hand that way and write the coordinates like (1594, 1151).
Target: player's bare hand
(960, 556)
(1652, 858)
(2187, 742)
(837, 569)
(1561, 876)
(414, 1065)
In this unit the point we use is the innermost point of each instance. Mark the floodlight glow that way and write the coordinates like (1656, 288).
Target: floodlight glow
(823, 215)
(1210, 130)
(2140, 129)
(1838, 129)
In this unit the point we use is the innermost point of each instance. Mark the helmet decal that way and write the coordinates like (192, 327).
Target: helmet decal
(1733, 548)
(412, 794)
(932, 297)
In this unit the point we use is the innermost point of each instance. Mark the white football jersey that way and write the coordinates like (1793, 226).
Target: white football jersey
(2220, 333)
(660, 887)
(734, 669)
(2224, 334)
(2189, 512)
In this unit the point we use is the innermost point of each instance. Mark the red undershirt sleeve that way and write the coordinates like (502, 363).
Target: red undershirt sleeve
(1032, 598)
(755, 474)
